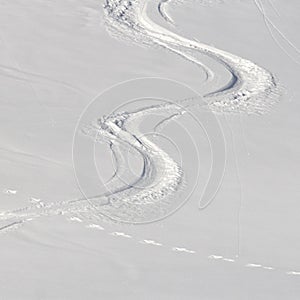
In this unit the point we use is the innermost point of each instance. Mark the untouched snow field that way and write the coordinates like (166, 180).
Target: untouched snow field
(149, 149)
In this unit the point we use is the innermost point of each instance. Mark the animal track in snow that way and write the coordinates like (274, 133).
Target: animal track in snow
(179, 249)
(95, 226)
(150, 242)
(37, 202)
(9, 192)
(292, 273)
(75, 219)
(216, 257)
(229, 259)
(251, 265)
(121, 234)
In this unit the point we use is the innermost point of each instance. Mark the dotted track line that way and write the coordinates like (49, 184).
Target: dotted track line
(73, 217)
(181, 249)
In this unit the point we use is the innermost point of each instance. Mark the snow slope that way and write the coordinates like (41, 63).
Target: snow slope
(56, 57)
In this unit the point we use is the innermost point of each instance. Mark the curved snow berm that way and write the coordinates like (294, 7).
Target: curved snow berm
(145, 198)
(252, 90)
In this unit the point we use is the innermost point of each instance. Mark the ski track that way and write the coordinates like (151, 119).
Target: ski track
(287, 43)
(252, 90)
(147, 198)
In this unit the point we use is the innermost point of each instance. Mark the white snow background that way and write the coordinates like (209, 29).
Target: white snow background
(55, 57)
